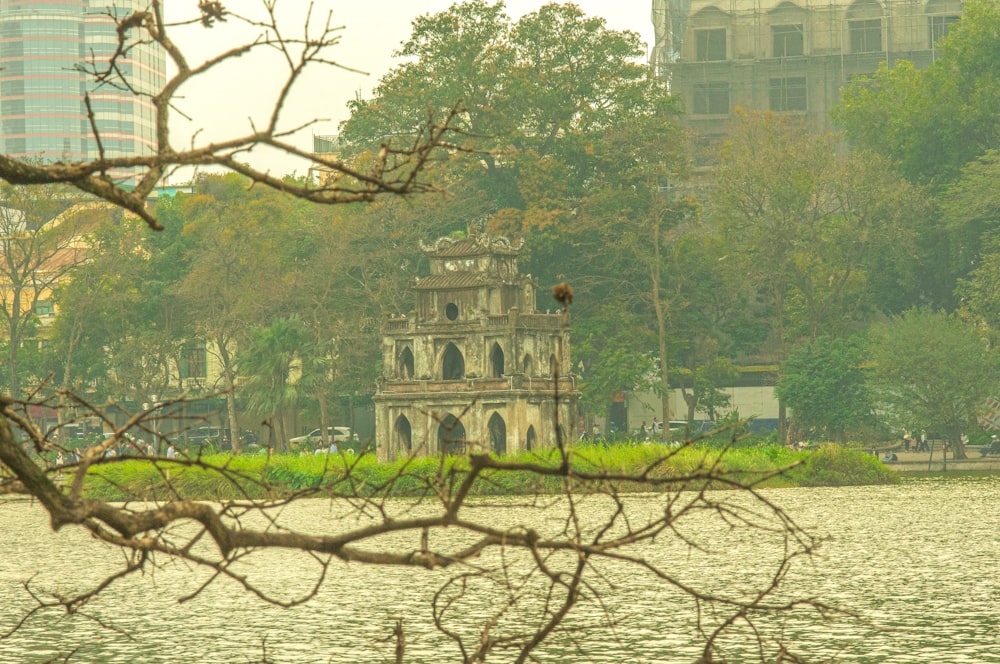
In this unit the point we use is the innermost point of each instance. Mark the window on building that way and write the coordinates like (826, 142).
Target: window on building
(194, 364)
(711, 98)
(44, 309)
(710, 44)
(788, 94)
(452, 363)
(866, 35)
(498, 434)
(496, 361)
(404, 434)
(788, 40)
(451, 435)
(406, 364)
(938, 27)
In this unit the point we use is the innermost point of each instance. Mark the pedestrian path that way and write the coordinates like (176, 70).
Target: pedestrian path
(934, 461)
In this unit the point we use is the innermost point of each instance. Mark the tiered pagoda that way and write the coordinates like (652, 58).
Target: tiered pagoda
(474, 367)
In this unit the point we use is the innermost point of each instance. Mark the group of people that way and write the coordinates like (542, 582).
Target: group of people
(322, 449)
(915, 443)
(126, 447)
(646, 433)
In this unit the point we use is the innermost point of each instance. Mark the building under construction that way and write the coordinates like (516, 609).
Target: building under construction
(786, 57)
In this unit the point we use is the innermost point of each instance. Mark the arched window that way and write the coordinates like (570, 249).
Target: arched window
(451, 435)
(452, 364)
(864, 25)
(553, 364)
(532, 439)
(941, 14)
(526, 365)
(710, 27)
(406, 364)
(561, 438)
(787, 30)
(496, 360)
(498, 434)
(404, 434)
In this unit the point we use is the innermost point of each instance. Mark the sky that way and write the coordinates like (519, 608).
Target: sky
(223, 103)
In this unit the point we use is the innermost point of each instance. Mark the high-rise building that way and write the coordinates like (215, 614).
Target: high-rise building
(45, 48)
(786, 56)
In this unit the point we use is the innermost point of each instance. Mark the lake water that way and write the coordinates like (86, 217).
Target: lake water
(917, 562)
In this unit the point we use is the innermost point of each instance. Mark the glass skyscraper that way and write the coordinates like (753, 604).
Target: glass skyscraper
(43, 46)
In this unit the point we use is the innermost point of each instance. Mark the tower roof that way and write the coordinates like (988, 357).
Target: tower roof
(477, 245)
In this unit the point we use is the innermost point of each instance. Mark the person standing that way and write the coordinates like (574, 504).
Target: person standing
(171, 452)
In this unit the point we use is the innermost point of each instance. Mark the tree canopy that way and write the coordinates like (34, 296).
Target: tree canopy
(823, 382)
(932, 371)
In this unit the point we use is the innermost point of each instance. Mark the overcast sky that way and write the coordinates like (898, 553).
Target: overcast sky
(222, 104)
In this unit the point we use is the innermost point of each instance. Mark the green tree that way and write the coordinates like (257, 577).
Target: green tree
(242, 267)
(979, 293)
(120, 307)
(272, 364)
(970, 209)
(823, 383)
(717, 317)
(933, 122)
(611, 349)
(42, 239)
(809, 227)
(533, 95)
(932, 371)
(705, 393)
(630, 224)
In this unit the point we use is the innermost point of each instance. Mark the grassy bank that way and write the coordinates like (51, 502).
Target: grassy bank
(259, 476)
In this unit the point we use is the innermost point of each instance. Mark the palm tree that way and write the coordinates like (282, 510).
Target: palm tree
(272, 363)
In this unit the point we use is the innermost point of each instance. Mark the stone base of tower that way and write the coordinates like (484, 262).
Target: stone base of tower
(431, 417)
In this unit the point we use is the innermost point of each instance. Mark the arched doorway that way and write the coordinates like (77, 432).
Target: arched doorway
(526, 365)
(498, 434)
(404, 434)
(496, 360)
(451, 435)
(532, 439)
(406, 364)
(553, 365)
(452, 363)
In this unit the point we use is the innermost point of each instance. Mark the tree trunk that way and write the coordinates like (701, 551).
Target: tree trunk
(324, 416)
(691, 400)
(229, 375)
(15, 340)
(661, 330)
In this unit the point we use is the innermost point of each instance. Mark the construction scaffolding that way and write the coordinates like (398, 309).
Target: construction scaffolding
(786, 57)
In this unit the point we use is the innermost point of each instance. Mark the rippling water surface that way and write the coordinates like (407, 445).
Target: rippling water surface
(917, 562)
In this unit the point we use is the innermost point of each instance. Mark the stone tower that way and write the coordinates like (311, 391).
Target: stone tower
(474, 366)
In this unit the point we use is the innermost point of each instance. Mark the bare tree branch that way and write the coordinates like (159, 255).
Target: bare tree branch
(393, 170)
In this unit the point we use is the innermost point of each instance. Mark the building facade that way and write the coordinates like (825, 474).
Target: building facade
(786, 56)
(44, 46)
(474, 367)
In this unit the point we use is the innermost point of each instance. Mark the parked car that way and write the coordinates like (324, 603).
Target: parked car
(216, 436)
(336, 434)
(676, 426)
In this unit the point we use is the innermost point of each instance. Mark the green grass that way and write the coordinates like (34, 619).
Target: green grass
(262, 477)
